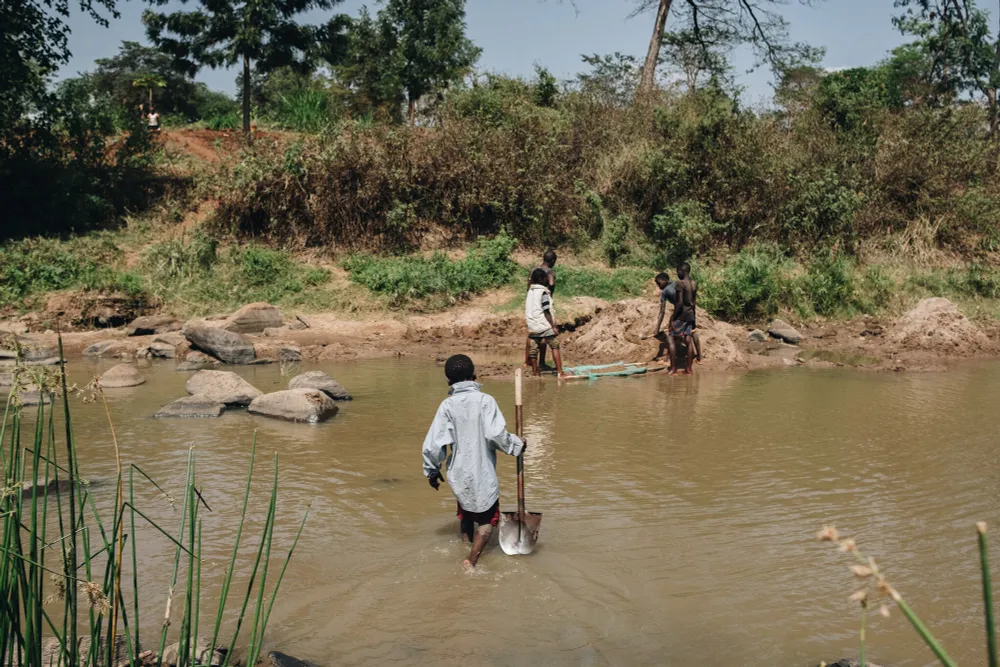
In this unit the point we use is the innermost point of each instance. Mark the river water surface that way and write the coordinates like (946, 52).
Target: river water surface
(679, 515)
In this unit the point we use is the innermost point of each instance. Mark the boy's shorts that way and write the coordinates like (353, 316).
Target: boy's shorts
(548, 337)
(490, 516)
(681, 329)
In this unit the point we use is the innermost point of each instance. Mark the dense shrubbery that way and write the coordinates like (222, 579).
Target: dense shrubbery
(695, 174)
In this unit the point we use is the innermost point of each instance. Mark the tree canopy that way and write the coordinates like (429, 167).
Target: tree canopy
(223, 33)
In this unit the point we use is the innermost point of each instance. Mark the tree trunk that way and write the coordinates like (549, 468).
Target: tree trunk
(412, 111)
(150, 98)
(991, 97)
(653, 55)
(246, 97)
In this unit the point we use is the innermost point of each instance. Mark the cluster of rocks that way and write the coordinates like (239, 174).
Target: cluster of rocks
(310, 397)
(779, 330)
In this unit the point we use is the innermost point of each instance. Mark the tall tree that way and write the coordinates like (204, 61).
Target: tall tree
(34, 43)
(115, 78)
(250, 33)
(756, 23)
(963, 51)
(697, 58)
(429, 49)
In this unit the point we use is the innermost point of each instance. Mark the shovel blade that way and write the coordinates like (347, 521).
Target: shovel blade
(521, 542)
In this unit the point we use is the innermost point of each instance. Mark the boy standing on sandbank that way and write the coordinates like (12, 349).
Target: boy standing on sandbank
(668, 294)
(470, 422)
(541, 323)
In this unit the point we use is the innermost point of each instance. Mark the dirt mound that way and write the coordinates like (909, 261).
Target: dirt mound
(937, 325)
(614, 335)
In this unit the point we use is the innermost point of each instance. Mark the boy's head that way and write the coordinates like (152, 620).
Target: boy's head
(662, 279)
(459, 368)
(683, 270)
(549, 258)
(539, 277)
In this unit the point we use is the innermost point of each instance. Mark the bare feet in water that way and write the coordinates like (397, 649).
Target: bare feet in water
(467, 564)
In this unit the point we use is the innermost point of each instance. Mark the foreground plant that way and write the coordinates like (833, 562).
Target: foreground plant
(875, 587)
(62, 599)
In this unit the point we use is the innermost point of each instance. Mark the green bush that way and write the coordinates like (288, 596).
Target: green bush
(752, 285)
(35, 266)
(486, 265)
(829, 284)
(681, 231)
(614, 239)
(231, 120)
(877, 290)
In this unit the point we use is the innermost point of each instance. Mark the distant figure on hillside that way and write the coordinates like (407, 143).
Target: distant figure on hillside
(471, 424)
(668, 294)
(541, 322)
(682, 320)
(153, 119)
(548, 262)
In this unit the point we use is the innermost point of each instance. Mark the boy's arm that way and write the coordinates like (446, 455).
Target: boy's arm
(495, 428)
(435, 449)
(659, 318)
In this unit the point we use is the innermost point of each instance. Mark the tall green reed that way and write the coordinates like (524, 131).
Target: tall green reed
(62, 598)
(875, 586)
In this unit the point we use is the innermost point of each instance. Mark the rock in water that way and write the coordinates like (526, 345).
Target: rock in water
(227, 346)
(30, 490)
(782, 330)
(162, 350)
(279, 659)
(174, 338)
(222, 386)
(756, 336)
(297, 405)
(149, 325)
(323, 382)
(32, 396)
(254, 318)
(289, 354)
(122, 375)
(192, 406)
(109, 348)
(204, 655)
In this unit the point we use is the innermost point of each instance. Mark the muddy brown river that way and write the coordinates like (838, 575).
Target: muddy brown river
(679, 515)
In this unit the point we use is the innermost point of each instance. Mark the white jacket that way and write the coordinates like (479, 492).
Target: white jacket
(539, 300)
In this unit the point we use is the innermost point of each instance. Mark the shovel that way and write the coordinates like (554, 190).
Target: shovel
(519, 530)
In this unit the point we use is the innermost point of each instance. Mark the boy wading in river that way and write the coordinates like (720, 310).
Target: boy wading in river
(682, 321)
(470, 422)
(541, 323)
(668, 294)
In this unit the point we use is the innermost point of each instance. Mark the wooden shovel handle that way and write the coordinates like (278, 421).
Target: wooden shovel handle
(519, 429)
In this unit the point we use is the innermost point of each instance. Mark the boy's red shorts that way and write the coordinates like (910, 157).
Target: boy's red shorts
(490, 516)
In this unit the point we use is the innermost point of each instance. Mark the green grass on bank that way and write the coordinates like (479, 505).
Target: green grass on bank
(195, 276)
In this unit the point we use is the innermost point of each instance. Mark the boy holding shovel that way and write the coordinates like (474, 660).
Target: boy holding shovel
(470, 422)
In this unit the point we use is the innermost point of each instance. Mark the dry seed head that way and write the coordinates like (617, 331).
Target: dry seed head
(60, 589)
(981, 527)
(828, 534)
(848, 546)
(859, 596)
(862, 571)
(96, 597)
(883, 611)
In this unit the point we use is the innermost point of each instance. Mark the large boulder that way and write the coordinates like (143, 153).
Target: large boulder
(279, 659)
(227, 346)
(109, 348)
(161, 350)
(149, 325)
(253, 318)
(782, 330)
(174, 338)
(198, 405)
(196, 361)
(33, 396)
(323, 382)
(31, 351)
(297, 405)
(122, 375)
(223, 387)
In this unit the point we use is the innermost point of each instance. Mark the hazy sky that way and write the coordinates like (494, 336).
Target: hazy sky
(516, 34)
